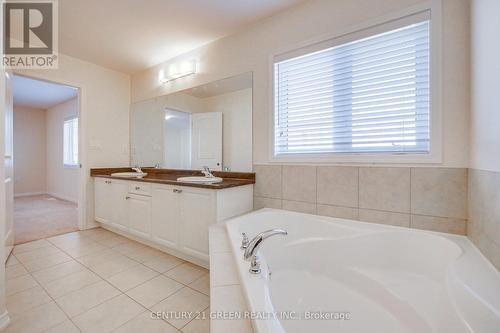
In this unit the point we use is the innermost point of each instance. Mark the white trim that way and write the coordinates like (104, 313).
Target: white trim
(62, 197)
(28, 194)
(435, 156)
(4, 320)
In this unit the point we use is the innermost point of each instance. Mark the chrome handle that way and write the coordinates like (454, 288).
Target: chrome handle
(244, 241)
(254, 265)
(127, 197)
(107, 181)
(137, 188)
(177, 190)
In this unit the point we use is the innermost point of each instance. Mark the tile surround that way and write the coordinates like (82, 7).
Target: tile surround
(483, 225)
(73, 296)
(432, 198)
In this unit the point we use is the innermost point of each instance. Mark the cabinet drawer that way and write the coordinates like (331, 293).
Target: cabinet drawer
(140, 188)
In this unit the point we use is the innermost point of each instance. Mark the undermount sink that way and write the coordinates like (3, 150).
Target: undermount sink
(210, 180)
(129, 174)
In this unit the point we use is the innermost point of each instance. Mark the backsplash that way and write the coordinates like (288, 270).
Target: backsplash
(483, 227)
(421, 198)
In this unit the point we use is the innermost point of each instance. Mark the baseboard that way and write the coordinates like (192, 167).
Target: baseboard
(62, 197)
(4, 320)
(28, 194)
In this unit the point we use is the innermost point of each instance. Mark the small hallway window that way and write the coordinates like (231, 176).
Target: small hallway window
(71, 142)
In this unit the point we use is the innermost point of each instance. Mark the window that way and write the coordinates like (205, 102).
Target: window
(363, 95)
(71, 142)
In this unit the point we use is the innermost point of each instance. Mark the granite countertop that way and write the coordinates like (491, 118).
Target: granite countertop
(169, 176)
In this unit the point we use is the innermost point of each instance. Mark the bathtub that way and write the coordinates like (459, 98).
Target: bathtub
(337, 275)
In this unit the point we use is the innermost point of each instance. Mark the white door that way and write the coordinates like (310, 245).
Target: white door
(119, 212)
(9, 167)
(206, 140)
(197, 211)
(139, 214)
(102, 200)
(164, 215)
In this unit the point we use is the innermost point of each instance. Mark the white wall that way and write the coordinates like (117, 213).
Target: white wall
(236, 108)
(30, 133)
(250, 50)
(104, 122)
(62, 182)
(485, 87)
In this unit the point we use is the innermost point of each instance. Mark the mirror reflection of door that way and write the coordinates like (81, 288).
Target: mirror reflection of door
(207, 140)
(177, 140)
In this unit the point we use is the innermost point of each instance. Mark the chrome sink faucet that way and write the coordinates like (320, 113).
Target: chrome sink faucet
(254, 246)
(206, 171)
(137, 169)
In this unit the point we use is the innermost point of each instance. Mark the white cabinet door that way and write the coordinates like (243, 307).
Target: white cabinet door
(165, 217)
(139, 215)
(119, 205)
(102, 200)
(197, 213)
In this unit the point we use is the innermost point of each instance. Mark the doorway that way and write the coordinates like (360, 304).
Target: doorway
(46, 159)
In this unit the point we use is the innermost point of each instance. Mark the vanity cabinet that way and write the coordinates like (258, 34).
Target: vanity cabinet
(175, 219)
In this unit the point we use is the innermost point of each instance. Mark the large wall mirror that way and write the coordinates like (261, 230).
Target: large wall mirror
(208, 125)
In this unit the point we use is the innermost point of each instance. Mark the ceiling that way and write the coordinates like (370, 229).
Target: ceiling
(131, 35)
(40, 94)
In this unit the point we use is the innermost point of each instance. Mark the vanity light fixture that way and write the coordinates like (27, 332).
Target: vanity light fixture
(178, 70)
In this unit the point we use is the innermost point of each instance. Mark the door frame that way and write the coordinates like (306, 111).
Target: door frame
(82, 153)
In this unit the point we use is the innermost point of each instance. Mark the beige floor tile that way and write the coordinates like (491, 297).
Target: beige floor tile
(70, 243)
(47, 275)
(27, 299)
(128, 247)
(163, 263)
(185, 300)
(144, 254)
(201, 324)
(113, 240)
(47, 261)
(186, 273)
(14, 271)
(155, 290)
(132, 277)
(37, 319)
(71, 282)
(97, 258)
(83, 250)
(202, 284)
(19, 284)
(109, 315)
(96, 233)
(86, 298)
(36, 254)
(145, 323)
(12, 260)
(64, 327)
(115, 266)
(30, 246)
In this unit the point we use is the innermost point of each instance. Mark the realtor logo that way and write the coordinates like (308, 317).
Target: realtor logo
(29, 38)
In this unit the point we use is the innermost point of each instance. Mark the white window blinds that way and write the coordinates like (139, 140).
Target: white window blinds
(370, 95)
(71, 142)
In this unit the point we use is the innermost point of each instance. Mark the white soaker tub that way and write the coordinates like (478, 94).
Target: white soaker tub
(336, 275)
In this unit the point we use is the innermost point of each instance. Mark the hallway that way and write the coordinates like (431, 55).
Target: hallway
(41, 216)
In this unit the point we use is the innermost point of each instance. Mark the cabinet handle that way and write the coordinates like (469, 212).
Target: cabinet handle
(108, 181)
(176, 190)
(137, 188)
(127, 197)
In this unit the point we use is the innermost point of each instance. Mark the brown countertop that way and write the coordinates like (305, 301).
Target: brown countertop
(169, 176)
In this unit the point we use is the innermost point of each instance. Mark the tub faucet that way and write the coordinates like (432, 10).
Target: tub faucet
(254, 246)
